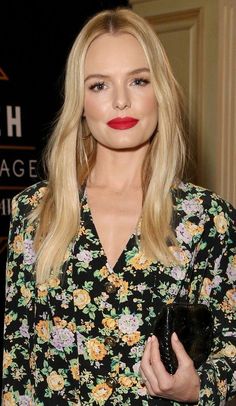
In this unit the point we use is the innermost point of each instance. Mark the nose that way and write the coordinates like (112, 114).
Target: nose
(121, 98)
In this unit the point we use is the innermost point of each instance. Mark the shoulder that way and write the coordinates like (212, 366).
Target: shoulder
(197, 205)
(192, 199)
(28, 199)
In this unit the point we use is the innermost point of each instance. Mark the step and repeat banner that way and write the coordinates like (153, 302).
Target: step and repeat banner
(18, 163)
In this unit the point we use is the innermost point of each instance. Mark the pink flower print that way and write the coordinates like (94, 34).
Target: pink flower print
(128, 323)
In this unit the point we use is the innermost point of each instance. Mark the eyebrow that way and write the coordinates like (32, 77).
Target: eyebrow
(100, 76)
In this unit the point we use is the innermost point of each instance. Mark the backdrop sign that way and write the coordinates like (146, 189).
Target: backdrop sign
(18, 162)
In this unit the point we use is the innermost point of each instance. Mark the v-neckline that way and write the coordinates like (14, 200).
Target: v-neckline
(134, 234)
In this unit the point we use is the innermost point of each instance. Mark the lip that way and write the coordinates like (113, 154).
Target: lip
(122, 123)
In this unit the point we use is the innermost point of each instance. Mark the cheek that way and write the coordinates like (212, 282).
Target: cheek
(93, 108)
(150, 106)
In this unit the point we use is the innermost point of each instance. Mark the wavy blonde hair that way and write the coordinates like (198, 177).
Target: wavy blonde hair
(70, 154)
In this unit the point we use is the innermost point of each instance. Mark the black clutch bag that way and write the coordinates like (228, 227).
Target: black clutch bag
(193, 324)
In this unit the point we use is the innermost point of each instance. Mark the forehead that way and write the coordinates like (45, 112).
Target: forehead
(115, 51)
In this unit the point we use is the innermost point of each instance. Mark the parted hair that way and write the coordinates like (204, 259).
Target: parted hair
(71, 152)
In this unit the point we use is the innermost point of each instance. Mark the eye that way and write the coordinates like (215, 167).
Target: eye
(140, 82)
(97, 87)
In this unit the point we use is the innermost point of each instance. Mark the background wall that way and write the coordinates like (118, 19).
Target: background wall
(200, 40)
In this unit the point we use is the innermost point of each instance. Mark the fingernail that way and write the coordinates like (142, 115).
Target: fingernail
(175, 337)
(149, 339)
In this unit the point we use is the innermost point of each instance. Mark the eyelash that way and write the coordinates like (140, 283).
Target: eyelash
(98, 86)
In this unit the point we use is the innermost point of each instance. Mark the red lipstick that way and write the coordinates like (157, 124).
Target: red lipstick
(122, 123)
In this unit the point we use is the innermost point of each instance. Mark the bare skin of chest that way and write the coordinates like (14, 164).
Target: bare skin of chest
(115, 216)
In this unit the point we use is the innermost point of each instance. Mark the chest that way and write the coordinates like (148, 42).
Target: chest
(115, 219)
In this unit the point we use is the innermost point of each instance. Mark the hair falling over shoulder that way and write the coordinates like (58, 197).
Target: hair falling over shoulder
(71, 153)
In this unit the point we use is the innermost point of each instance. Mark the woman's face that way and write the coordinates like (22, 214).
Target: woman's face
(120, 105)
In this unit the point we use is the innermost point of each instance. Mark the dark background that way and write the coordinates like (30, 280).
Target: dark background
(35, 39)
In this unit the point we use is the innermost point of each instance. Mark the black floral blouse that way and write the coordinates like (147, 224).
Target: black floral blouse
(80, 341)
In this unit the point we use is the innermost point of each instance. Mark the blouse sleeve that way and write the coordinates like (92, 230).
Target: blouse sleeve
(217, 253)
(19, 310)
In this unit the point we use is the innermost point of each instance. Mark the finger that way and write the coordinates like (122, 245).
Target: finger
(143, 377)
(182, 357)
(156, 362)
(146, 366)
(154, 370)
(146, 383)
(146, 354)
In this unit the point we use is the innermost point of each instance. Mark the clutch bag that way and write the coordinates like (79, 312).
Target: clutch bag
(193, 324)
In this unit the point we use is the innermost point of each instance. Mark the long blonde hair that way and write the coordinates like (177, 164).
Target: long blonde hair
(71, 154)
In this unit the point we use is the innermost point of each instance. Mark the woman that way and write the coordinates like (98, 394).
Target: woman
(96, 250)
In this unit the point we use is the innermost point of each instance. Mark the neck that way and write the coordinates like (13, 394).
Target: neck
(118, 170)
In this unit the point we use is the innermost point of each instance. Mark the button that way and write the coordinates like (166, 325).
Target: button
(111, 382)
(110, 341)
(110, 288)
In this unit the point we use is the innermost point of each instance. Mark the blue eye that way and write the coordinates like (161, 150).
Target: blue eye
(97, 87)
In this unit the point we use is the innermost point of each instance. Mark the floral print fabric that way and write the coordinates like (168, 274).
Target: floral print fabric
(79, 341)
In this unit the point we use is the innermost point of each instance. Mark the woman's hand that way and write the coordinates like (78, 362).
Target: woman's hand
(183, 386)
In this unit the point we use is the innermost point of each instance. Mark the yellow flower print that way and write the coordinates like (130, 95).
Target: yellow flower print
(7, 359)
(221, 223)
(25, 293)
(233, 261)
(55, 381)
(123, 291)
(101, 392)
(88, 325)
(59, 322)
(82, 230)
(29, 229)
(96, 350)
(42, 329)
(104, 272)
(115, 280)
(132, 338)
(193, 229)
(9, 273)
(8, 399)
(109, 323)
(33, 200)
(116, 368)
(231, 295)
(7, 319)
(139, 261)
(222, 386)
(71, 326)
(75, 372)
(206, 287)
(81, 298)
(54, 282)
(42, 290)
(32, 360)
(18, 245)
(225, 306)
(126, 381)
(207, 392)
(228, 351)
